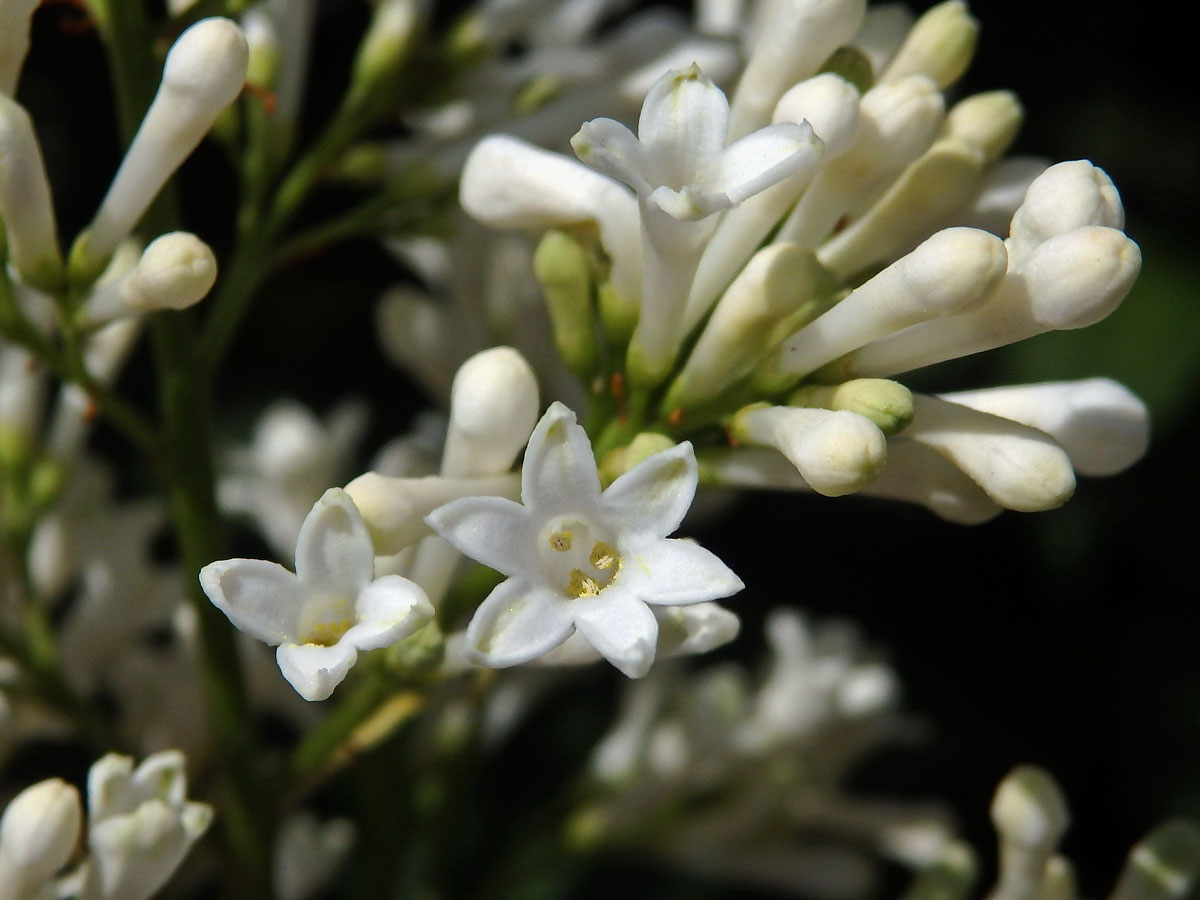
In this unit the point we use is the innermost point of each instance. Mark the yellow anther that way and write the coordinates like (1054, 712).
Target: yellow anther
(604, 556)
(583, 585)
(560, 541)
(328, 633)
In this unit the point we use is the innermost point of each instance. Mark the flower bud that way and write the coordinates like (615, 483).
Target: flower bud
(507, 183)
(14, 41)
(836, 452)
(140, 825)
(1163, 866)
(830, 105)
(1020, 468)
(493, 408)
(175, 271)
(778, 279)
(562, 268)
(1101, 424)
(917, 474)
(1067, 196)
(1069, 281)
(26, 207)
(394, 509)
(1030, 816)
(949, 877)
(897, 123)
(39, 830)
(929, 191)
(886, 403)
(794, 40)
(939, 45)
(385, 45)
(204, 73)
(954, 270)
(989, 121)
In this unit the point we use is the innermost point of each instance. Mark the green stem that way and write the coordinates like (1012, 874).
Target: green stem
(191, 493)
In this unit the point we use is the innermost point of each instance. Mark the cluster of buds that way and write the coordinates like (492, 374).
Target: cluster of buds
(754, 274)
(140, 827)
(83, 311)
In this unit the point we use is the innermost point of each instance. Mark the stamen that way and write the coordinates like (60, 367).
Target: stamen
(327, 634)
(604, 556)
(583, 585)
(560, 541)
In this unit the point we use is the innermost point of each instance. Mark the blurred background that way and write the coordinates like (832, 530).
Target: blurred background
(1068, 639)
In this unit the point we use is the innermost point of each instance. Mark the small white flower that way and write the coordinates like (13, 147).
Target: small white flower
(332, 607)
(581, 559)
(140, 825)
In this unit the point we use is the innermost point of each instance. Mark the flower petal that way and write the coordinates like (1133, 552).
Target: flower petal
(491, 530)
(260, 598)
(653, 497)
(389, 609)
(334, 548)
(682, 128)
(517, 622)
(559, 472)
(609, 147)
(622, 629)
(765, 157)
(677, 572)
(314, 671)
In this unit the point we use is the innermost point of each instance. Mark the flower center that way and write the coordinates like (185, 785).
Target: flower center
(326, 618)
(578, 557)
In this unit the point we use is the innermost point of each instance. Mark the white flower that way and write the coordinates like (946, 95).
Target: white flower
(140, 825)
(332, 607)
(683, 173)
(581, 559)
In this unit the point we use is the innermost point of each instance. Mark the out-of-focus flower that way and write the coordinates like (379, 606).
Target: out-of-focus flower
(140, 825)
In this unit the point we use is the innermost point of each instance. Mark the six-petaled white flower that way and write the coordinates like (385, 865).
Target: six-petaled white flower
(579, 559)
(332, 607)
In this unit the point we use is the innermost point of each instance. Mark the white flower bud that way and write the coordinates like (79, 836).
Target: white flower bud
(939, 45)
(507, 183)
(1000, 194)
(990, 121)
(26, 206)
(944, 178)
(175, 271)
(836, 452)
(773, 283)
(1030, 816)
(140, 825)
(883, 30)
(830, 105)
(1164, 865)
(1019, 467)
(897, 123)
(394, 509)
(796, 37)
(1070, 281)
(14, 41)
(1065, 197)
(38, 833)
(917, 474)
(307, 853)
(493, 408)
(1077, 278)
(1101, 424)
(204, 73)
(952, 271)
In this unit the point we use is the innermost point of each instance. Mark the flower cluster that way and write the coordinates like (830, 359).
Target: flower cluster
(140, 827)
(646, 288)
